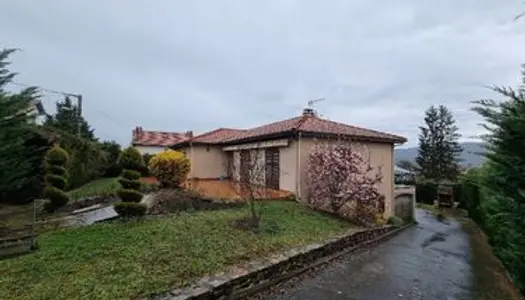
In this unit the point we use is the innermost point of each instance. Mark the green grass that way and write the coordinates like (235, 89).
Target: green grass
(128, 260)
(104, 186)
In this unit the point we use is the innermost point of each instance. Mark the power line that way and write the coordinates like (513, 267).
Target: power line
(66, 94)
(45, 89)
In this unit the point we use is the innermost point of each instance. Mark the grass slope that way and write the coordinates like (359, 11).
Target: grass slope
(99, 187)
(128, 260)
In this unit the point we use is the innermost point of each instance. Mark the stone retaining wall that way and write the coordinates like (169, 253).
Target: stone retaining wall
(243, 280)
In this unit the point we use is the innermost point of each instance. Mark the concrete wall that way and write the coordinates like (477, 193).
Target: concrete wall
(207, 161)
(150, 149)
(381, 154)
(405, 202)
(288, 167)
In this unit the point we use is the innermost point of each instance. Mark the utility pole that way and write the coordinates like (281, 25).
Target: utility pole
(79, 120)
(79, 111)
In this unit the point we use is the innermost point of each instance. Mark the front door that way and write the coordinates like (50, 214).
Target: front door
(273, 172)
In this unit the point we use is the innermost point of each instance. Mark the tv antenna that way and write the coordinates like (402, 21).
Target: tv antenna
(312, 102)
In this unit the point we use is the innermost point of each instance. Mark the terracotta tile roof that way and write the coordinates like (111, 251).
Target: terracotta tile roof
(310, 123)
(216, 136)
(142, 137)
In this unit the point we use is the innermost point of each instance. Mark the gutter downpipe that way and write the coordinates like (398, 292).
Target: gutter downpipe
(298, 167)
(191, 161)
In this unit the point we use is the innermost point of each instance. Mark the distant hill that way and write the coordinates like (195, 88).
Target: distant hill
(470, 155)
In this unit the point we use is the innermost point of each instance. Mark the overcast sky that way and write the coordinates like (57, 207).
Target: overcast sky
(197, 65)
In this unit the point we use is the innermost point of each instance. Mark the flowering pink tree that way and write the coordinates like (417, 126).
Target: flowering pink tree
(343, 181)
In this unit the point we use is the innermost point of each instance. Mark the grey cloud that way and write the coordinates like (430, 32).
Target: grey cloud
(179, 65)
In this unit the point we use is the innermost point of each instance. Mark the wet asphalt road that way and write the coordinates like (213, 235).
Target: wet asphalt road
(427, 261)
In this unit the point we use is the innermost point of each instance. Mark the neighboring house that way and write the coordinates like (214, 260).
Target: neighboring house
(402, 175)
(286, 145)
(153, 142)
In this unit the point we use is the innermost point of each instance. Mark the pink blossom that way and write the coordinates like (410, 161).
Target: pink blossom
(341, 180)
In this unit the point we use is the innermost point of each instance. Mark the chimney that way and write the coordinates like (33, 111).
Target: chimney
(309, 112)
(189, 134)
(138, 131)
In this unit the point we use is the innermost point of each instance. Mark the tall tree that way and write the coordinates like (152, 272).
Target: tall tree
(439, 148)
(503, 201)
(17, 116)
(67, 118)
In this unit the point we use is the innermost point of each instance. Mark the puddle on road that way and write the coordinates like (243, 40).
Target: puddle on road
(436, 237)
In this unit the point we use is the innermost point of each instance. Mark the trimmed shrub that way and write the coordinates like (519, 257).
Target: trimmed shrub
(56, 159)
(56, 181)
(88, 160)
(130, 159)
(57, 156)
(170, 167)
(57, 198)
(130, 184)
(130, 175)
(58, 170)
(129, 195)
(132, 162)
(147, 187)
(130, 209)
(395, 221)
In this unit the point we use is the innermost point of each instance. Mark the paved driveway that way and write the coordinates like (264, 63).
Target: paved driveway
(427, 261)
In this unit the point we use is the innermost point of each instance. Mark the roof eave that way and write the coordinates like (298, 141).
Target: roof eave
(393, 140)
(260, 138)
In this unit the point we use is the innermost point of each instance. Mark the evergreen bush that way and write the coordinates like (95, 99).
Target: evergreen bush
(170, 167)
(130, 209)
(130, 193)
(56, 179)
(130, 159)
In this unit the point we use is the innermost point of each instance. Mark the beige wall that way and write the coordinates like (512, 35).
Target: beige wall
(288, 167)
(211, 162)
(380, 155)
(207, 162)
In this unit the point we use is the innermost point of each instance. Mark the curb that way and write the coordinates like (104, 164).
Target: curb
(265, 285)
(255, 276)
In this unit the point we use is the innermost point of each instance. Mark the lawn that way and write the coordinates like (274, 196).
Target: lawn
(99, 187)
(127, 260)
(102, 187)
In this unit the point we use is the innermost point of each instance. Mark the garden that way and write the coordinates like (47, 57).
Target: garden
(107, 223)
(165, 236)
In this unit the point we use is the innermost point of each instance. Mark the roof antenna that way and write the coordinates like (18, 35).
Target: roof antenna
(311, 105)
(312, 102)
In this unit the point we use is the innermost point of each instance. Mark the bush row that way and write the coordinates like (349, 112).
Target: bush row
(426, 192)
(500, 217)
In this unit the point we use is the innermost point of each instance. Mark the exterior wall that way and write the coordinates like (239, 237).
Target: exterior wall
(381, 154)
(236, 165)
(257, 173)
(207, 162)
(287, 166)
(150, 149)
(405, 202)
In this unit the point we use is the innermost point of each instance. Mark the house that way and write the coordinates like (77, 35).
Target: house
(286, 146)
(152, 142)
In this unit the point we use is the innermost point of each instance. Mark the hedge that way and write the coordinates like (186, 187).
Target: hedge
(426, 192)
